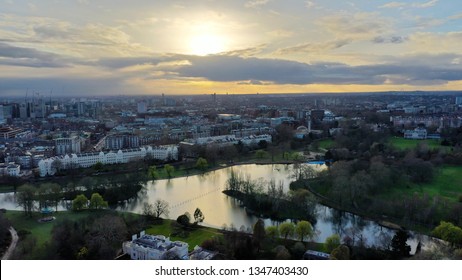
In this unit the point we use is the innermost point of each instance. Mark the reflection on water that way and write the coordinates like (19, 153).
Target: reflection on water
(205, 192)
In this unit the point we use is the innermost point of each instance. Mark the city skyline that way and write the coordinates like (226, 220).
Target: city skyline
(177, 47)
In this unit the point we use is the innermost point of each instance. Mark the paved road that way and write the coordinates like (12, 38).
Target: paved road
(14, 241)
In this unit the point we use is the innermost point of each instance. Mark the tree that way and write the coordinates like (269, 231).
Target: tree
(183, 220)
(399, 245)
(449, 232)
(259, 232)
(148, 210)
(161, 208)
(332, 242)
(342, 252)
(198, 216)
(304, 228)
(152, 172)
(202, 164)
(80, 202)
(97, 202)
(56, 195)
(287, 229)
(261, 154)
(169, 169)
(25, 198)
(98, 166)
(272, 231)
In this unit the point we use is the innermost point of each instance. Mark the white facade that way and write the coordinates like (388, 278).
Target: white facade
(10, 169)
(49, 166)
(418, 133)
(155, 247)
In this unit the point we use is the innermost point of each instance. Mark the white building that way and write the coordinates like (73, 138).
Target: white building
(10, 169)
(49, 166)
(155, 247)
(418, 133)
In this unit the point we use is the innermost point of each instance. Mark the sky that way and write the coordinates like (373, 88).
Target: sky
(142, 47)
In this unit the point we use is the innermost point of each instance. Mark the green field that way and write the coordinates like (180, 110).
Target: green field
(195, 237)
(406, 144)
(447, 183)
(42, 231)
(326, 144)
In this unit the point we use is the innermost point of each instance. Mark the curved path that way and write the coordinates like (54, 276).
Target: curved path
(14, 241)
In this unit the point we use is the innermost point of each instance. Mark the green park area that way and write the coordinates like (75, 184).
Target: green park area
(193, 236)
(326, 144)
(407, 144)
(447, 184)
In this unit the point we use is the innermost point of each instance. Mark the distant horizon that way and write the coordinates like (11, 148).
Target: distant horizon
(89, 96)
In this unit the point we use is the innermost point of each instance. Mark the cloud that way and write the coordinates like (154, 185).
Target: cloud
(246, 52)
(401, 5)
(29, 57)
(255, 3)
(314, 47)
(69, 86)
(428, 4)
(355, 26)
(392, 40)
(393, 5)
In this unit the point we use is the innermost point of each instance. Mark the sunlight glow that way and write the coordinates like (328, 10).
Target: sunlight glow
(205, 39)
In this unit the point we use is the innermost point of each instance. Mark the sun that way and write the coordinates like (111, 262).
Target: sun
(205, 40)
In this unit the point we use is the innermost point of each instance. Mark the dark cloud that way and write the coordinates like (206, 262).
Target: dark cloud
(29, 57)
(434, 69)
(65, 86)
(391, 40)
(314, 47)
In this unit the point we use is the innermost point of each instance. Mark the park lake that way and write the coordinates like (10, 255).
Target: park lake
(185, 194)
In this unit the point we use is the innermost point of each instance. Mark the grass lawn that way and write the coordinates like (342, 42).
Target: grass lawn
(447, 183)
(195, 237)
(42, 231)
(406, 144)
(326, 144)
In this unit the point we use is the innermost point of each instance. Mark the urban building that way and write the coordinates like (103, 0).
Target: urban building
(49, 166)
(418, 133)
(67, 145)
(155, 247)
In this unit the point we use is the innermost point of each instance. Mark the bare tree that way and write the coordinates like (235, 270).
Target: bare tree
(161, 207)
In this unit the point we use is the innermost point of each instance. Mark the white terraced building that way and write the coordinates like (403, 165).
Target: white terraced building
(49, 166)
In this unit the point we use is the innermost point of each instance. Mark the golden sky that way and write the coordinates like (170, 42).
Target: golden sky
(201, 47)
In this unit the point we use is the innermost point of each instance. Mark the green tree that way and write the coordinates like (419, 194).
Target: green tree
(152, 172)
(98, 166)
(183, 220)
(25, 198)
(304, 228)
(342, 252)
(287, 229)
(449, 232)
(198, 216)
(80, 202)
(272, 232)
(332, 242)
(202, 164)
(261, 154)
(169, 169)
(97, 202)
